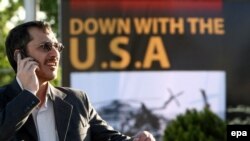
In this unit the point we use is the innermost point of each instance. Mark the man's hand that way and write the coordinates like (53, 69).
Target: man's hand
(144, 136)
(26, 73)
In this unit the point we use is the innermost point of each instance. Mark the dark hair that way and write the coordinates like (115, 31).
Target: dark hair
(19, 37)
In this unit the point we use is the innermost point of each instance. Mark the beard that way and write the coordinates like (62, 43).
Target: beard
(46, 74)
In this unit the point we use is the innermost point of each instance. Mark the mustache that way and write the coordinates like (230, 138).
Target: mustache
(53, 59)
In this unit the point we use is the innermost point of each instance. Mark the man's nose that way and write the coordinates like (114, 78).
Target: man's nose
(54, 51)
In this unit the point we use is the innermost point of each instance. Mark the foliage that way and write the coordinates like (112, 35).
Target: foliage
(50, 7)
(6, 73)
(196, 126)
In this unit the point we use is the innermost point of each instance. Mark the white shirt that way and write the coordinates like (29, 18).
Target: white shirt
(44, 118)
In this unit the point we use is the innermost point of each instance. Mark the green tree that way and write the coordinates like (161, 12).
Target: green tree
(196, 126)
(50, 7)
(6, 72)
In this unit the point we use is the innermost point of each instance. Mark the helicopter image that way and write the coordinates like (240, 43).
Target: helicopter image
(131, 116)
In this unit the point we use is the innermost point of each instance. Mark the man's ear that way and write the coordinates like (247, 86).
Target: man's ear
(15, 54)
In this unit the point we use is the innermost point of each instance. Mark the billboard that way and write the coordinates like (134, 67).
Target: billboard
(155, 59)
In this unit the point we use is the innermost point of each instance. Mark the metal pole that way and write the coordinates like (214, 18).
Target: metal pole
(30, 10)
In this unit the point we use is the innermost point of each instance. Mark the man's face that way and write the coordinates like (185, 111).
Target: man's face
(48, 60)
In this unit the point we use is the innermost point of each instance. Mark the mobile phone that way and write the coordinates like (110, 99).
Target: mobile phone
(22, 53)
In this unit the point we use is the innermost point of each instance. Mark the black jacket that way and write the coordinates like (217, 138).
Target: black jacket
(76, 119)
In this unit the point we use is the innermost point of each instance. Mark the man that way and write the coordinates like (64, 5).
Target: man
(31, 109)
